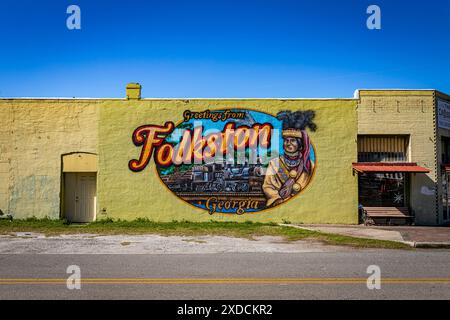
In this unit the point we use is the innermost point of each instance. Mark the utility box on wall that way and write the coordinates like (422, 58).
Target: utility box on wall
(133, 91)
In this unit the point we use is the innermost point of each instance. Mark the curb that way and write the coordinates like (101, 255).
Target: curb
(418, 245)
(432, 245)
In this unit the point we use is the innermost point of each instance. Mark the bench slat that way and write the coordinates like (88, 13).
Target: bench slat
(389, 213)
(391, 216)
(386, 208)
(386, 212)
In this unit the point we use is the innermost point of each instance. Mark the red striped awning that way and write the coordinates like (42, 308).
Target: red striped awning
(389, 167)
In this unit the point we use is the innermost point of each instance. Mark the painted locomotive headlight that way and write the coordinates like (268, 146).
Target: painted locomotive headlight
(232, 161)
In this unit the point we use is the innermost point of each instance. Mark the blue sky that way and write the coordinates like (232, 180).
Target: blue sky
(222, 48)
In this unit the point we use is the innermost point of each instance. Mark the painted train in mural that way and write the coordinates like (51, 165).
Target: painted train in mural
(217, 177)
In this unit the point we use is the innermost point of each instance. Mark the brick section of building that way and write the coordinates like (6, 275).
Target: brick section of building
(412, 113)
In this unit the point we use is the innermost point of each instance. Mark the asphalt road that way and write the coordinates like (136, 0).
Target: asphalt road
(312, 275)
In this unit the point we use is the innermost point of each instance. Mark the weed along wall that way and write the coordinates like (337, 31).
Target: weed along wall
(228, 160)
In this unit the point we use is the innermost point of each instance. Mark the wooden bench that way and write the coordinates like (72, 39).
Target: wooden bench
(387, 213)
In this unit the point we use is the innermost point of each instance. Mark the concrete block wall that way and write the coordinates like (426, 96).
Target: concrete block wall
(34, 134)
(411, 113)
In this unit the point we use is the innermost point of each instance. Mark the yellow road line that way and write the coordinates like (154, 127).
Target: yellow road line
(149, 281)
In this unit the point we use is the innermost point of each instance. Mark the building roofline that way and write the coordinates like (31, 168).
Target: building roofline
(356, 96)
(443, 95)
(168, 99)
(357, 92)
(56, 98)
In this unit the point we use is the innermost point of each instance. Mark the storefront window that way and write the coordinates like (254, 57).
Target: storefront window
(382, 190)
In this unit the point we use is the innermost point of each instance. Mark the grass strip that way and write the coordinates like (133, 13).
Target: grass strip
(142, 226)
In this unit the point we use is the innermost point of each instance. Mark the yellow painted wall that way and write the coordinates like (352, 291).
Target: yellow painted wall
(34, 134)
(411, 113)
(5, 155)
(80, 162)
(331, 196)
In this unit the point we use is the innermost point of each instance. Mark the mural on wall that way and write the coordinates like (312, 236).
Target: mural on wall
(232, 161)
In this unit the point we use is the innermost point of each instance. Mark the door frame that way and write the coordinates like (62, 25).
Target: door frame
(77, 162)
(75, 185)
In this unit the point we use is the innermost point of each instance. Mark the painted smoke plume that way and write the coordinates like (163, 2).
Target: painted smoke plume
(299, 120)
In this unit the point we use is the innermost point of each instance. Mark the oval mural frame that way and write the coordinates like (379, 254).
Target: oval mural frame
(265, 209)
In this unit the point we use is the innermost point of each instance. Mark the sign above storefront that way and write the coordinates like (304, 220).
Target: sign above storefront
(232, 161)
(443, 108)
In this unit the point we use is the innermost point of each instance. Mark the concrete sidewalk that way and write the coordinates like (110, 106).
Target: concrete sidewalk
(415, 236)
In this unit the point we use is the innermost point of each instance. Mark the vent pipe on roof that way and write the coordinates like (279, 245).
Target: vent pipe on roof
(133, 91)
